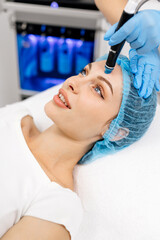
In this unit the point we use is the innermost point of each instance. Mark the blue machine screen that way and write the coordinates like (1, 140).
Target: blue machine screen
(45, 61)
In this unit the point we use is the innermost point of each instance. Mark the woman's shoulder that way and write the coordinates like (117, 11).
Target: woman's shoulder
(28, 126)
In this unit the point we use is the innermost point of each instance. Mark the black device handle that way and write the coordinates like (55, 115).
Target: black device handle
(116, 49)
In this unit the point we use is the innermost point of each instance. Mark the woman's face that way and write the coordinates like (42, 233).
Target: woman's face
(95, 99)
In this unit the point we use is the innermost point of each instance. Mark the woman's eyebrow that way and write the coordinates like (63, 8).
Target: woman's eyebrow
(106, 81)
(102, 78)
(90, 66)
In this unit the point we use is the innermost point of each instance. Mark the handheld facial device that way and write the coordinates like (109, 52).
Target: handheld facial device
(115, 50)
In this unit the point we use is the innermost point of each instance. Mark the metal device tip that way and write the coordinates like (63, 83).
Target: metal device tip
(108, 70)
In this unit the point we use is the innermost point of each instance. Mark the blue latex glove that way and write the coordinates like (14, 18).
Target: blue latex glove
(142, 31)
(146, 68)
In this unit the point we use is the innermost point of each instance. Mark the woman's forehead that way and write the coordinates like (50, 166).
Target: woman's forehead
(100, 66)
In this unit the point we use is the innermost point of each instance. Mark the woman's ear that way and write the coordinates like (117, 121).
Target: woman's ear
(122, 133)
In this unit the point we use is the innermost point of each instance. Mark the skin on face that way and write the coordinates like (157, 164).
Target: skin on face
(90, 113)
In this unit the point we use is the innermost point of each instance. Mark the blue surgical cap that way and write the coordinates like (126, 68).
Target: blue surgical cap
(135, 114)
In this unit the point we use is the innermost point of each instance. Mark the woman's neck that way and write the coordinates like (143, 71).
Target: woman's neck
(58, 152)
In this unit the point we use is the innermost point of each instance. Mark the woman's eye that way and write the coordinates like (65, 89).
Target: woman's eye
(83, 72)
(100, 90)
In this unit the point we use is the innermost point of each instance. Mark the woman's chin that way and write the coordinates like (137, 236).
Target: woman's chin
(48, 109)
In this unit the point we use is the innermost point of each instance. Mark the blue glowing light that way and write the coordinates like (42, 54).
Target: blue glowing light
(46, 61)
(79, 43)
(32, 37)
(69, 41)
(42, 38)
(63, 29)
(54, 5)
(82, 32)
(50, 39)
(43, 28)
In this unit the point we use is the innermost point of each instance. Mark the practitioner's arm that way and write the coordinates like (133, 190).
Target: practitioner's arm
(31, 228)
(111, 9)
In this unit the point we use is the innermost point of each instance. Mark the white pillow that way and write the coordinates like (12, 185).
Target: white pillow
(120, 193)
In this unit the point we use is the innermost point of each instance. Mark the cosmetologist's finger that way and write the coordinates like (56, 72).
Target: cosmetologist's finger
(133, 60)
(146, 78)
(138, 77)
(150, 85)
(110, 32)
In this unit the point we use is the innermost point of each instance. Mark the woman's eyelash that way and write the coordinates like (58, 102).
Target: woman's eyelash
(84, 70)
(100, 91)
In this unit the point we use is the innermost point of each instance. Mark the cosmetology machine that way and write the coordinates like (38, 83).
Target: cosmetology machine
(45, 42)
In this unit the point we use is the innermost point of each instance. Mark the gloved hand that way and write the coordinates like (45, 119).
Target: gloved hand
(146, 68)
(142, 31)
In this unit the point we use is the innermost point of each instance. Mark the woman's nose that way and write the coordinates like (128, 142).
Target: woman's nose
(74, 84)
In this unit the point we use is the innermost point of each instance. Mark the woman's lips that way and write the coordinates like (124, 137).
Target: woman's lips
(59, 102)
(61, 91)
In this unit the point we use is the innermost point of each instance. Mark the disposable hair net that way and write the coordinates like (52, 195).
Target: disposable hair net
(135, 114)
